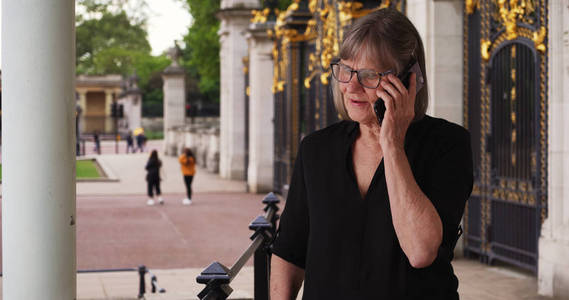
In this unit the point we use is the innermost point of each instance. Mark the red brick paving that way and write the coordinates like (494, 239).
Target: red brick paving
(122, 232)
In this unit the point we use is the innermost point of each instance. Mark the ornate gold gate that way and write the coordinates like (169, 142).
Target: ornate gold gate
(505, 77)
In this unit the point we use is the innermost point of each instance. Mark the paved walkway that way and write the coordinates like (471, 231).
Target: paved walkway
(129, 169)
(115, 229)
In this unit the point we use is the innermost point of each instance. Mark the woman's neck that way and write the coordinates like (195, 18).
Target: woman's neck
(369, 135)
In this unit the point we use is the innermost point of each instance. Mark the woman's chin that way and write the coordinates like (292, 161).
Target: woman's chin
(362, 116)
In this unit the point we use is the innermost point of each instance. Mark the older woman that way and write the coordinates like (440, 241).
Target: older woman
(373, 210)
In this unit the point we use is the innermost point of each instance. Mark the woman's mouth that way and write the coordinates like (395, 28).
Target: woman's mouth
(359, 102)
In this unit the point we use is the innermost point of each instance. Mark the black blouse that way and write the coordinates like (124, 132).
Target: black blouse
(347, 245)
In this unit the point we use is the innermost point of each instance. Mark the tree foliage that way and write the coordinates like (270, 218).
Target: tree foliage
(201, 53)
(106, 39)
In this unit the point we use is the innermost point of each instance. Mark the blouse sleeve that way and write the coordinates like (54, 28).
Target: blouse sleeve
(292, 236)
(449, 182)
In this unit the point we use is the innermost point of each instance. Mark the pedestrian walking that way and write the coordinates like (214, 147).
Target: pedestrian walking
(97, 141)
(140, 140)
(129, 143)
(188, 165)
(153, 178)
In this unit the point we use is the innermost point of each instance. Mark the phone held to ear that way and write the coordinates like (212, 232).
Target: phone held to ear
(413, 67)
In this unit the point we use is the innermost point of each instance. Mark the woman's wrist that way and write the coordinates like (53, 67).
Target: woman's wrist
(392, 150)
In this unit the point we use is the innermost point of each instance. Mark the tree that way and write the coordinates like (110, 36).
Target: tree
(200, 56)
(149, 69)
(106, 44)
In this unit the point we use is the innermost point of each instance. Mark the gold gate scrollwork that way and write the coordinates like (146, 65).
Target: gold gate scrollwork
(503, 28)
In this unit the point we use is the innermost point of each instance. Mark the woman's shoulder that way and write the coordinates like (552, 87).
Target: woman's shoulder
(438, 133)
(330, 135)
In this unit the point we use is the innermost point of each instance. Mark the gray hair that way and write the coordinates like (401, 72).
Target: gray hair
(389, 34)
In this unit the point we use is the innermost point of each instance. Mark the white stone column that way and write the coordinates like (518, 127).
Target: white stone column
(553, 272)
(174, 103)
(235, 16)
(135, 118)
(440, 24)
(83, 104)
(133, 108)
(223, 104)
(261, 110)
(38, 201)
(108, 119)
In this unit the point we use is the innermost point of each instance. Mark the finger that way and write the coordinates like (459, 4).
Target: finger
(387, 99)
(393, 92)
(397, 84)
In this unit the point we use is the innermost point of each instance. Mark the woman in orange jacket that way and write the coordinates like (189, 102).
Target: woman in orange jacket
(188, 164)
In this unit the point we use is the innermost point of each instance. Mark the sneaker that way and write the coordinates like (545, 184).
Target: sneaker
(150, 202)
(160, 200)
(187, 201)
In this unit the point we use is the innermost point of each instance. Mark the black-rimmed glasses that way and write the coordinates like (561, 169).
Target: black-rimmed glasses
(367, 78)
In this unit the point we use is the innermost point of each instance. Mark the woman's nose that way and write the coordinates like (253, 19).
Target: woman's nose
(353, 84)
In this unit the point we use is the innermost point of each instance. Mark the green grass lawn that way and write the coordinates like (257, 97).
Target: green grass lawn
(85, 169)
(154, 135)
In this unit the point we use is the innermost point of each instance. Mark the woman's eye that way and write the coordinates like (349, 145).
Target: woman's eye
(368, 75)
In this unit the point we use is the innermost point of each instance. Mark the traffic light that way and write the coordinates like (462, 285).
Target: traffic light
(117, 110)
(114, 110)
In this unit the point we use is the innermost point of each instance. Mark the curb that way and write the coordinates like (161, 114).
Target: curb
(107, 173)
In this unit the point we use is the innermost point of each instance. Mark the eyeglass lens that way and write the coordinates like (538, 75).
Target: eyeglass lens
(367, 78)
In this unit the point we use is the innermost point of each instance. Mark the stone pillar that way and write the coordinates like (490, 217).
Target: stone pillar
(235, 17)
(38, 191)
(134, 100)
(553, 267)
(174, 100)
(135, 116)
(83, 104)
(109, 121)
(261, 110)
(440, 24)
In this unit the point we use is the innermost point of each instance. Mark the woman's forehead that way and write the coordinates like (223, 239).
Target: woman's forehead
(365, 62)
(370, 57)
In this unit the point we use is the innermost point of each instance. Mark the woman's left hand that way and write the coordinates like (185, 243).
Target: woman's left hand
(400, 110)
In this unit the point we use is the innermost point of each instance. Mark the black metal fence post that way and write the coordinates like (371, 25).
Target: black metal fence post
(262, 260)
(142, 283)
(216, 277)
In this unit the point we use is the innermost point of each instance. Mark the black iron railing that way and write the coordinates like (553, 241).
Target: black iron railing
(142, 270)
(217, 277)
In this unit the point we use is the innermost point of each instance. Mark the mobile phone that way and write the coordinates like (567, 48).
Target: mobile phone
(412, 67)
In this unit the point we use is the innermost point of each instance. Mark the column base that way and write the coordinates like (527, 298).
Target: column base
(553, 278)
(233, 169)
(262, 184)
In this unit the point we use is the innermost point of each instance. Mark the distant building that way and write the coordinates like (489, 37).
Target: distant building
(95, 95)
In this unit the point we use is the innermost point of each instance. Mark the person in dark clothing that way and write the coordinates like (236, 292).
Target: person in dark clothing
(97, 142)
(374, 204)
(129, 143)
(153, 178)
(140, 141)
